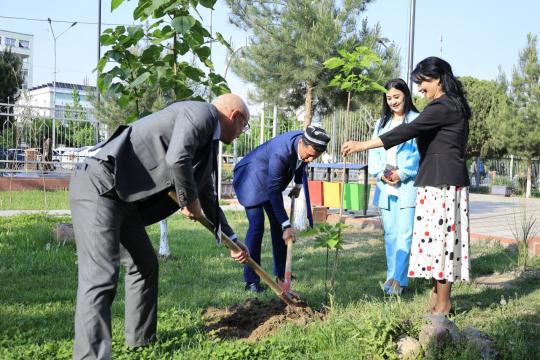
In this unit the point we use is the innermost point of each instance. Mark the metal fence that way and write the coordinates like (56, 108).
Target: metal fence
(31, 140)
(268, 124)
(509, 170)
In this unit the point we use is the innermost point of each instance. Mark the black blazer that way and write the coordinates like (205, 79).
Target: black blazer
(441, 133)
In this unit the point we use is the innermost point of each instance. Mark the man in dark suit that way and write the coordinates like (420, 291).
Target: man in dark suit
(123, 188)
(259, 180)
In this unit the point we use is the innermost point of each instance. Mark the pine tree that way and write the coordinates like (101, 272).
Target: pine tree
(290, 42)
(522, 130)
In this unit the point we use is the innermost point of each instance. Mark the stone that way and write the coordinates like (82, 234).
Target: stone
(63, 232)
(408, 347)
(437, 331)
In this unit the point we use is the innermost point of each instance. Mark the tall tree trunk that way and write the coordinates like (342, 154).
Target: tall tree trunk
(529, 178)
(308, 104)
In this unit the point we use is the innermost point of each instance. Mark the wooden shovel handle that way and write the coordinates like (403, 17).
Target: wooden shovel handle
(288, 263)
(249, 262)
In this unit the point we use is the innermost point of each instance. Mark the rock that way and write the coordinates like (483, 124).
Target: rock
(482, 342)
(63, 232)
(408, 347)
(438, 331)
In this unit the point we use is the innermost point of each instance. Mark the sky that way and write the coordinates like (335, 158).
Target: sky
(477, 36)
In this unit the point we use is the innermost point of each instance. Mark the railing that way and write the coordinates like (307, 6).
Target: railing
(33, 140)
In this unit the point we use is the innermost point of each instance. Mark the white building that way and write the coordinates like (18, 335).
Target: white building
(42, 97)
(22, 45)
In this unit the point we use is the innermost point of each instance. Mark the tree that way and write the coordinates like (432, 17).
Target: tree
(522, 129)
(486, 99)
(11, 76)
(82, 131)
(173, 35)
(290, 42)
(110, 113)
(11, 79)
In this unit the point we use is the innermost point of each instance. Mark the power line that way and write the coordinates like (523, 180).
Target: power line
(65, 21)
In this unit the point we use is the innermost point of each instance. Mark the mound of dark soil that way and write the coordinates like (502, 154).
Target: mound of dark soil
(254, 320)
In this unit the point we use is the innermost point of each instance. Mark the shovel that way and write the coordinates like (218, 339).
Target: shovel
(286, 284)
(286, 296)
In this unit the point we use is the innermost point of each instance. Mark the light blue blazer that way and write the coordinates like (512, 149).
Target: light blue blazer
(408, 158)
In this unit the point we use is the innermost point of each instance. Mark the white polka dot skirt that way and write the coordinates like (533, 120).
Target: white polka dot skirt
(440, 245)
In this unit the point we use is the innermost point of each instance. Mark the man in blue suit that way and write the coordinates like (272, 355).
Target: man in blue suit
(259, 181)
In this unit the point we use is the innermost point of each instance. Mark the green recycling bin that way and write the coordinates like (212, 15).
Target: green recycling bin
(353, 198)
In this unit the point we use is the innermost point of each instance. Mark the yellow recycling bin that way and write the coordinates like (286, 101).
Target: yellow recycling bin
(332, 194)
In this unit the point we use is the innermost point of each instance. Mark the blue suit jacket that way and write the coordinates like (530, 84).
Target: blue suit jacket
(263, 174)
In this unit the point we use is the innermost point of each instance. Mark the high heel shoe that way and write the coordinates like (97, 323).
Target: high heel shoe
(388, 284)
(394, 289)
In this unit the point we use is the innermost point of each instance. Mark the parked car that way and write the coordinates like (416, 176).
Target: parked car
(12, 158)
(3, 158)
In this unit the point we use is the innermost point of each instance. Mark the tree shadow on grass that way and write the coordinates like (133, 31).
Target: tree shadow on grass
(495, 260)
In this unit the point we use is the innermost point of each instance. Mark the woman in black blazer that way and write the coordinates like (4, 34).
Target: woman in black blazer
(440, 248)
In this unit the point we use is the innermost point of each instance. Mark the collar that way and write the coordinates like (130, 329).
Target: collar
(217, 131)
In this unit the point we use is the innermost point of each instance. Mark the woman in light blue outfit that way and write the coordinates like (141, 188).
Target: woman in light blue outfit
(395, 170)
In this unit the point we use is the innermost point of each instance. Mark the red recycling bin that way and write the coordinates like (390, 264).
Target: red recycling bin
(316, 194)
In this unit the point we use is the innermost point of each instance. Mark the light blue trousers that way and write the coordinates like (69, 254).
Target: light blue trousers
(398, 229)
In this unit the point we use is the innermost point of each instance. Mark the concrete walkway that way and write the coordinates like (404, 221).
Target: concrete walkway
(492, 217)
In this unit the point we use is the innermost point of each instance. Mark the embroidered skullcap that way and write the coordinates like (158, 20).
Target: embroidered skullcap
(316, 137)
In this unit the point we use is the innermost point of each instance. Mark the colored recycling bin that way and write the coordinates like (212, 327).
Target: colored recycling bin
(316, 192)
(332, 194)
(353, 197)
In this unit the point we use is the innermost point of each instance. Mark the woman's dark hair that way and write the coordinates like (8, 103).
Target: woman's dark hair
(436, 68)
(401, 85)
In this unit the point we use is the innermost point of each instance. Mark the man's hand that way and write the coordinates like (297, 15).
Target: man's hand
(240, 256)
(289, 234)
(295, 192)
(193, 210)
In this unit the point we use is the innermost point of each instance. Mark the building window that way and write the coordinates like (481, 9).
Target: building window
(10, 42)
(25, 44)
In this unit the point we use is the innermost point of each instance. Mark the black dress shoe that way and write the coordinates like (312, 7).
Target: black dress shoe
(255, 287)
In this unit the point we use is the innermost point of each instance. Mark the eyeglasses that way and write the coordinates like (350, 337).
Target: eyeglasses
(246, 123)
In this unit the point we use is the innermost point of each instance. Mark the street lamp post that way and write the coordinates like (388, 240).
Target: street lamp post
(410, 55)
(53, 107)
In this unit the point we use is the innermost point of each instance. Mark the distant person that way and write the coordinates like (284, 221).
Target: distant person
(440, 248)
(395, 170)
(259, 181)
(47, 154)
(124, 187)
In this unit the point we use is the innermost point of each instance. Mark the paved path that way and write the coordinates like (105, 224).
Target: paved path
(501, 217)
(491, 216)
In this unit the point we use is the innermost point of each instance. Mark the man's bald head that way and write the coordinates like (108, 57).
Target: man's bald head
(233, 116)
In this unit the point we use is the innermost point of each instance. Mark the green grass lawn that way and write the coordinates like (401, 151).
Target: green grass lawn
(34, 200)
(39, 200)
(38, 278)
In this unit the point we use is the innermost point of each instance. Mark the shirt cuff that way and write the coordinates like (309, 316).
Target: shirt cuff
(285, 224)
(233, 238)
(298, 186)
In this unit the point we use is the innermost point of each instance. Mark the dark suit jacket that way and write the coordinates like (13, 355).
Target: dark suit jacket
(168, 150)
(263, 174)
(441, 131)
